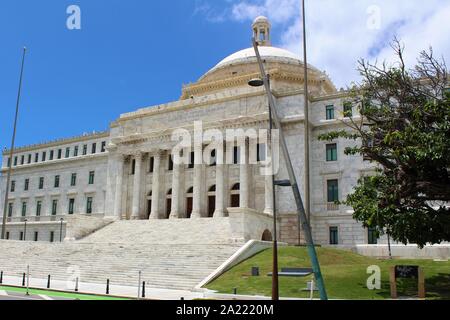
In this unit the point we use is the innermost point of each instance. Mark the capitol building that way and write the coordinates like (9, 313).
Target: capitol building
(67, 188)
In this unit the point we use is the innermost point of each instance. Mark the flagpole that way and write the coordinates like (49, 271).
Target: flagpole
(306, 111)
(11, 151)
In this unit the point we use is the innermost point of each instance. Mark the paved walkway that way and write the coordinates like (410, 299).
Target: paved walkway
(100, 289)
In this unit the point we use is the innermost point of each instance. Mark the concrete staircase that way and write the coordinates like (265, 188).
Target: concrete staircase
(172, 254)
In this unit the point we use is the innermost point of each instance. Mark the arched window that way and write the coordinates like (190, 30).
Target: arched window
(189, 203)
(149, 204)
(211, 201)
(168, 203)
(236, 186)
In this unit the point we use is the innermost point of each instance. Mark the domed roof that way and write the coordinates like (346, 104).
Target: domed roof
(267, 53)
(260, 19)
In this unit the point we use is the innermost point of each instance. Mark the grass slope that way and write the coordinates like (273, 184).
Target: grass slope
(344, 273)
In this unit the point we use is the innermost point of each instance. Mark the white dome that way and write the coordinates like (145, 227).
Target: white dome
(265, 52)
(261, 19)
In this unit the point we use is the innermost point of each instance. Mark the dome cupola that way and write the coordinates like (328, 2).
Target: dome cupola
(261, 31)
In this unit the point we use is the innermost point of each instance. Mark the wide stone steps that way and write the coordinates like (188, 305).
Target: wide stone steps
(173, 254)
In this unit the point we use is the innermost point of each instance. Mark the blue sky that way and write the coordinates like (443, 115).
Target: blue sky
(136, 53)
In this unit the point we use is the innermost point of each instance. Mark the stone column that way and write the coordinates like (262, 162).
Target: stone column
(135, 211)
(198, 164)
(176, 182)
(118, 194)
(155, 186)
(244, 176)
(268, 207)
(220, 183)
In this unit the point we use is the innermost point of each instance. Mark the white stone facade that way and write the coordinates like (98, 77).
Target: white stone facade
(132, 175)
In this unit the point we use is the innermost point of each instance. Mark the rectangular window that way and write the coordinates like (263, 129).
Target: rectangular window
(41, 183)
(73, 180)
(372, 236)
(38, 208)
(89, 205)
(333, 191)
(21, 235)
(152, 164)
(10, 209)
(56, 181)
(52, 154)
(170, 164)
(44, 156)
(7, 235)
(27, 185)
(36, 157)
(331, 152)
(84, 149)
(75, 151)
(67, 152)
(103, 149)
(236, 155)
(334, 236)
(94, 148)
(59, 153)
(330, 112)
(29, 159)
(91, 177)
(71, 206)
(54, 207)
(133, 166)
(13, 186)
(9, 162)
(36, 236)
(22, 160)
(348, 109)
(15, 161)
(24, 209)
(191, 160)
(52, 236)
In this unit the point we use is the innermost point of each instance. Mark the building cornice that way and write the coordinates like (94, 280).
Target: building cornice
(58, 142)
(54, 162)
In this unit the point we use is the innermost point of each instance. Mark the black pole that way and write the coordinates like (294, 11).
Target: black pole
(143, 289)
(275, 287)
(23, 280)
(107, 286)
(11, 151)
(48, 282)
(1, 276)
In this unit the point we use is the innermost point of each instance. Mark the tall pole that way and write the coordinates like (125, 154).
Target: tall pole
(11, 151)
(293, 180)
(275, 287)
(306, 112)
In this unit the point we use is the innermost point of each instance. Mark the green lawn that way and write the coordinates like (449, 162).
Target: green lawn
(56, 294)
(344, 274)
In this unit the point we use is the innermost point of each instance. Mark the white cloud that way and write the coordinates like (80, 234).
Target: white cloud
(342, 31)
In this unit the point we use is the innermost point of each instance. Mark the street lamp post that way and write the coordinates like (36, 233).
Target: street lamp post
(11, 151)
(292, 179)
(25, 230)
(275, 287)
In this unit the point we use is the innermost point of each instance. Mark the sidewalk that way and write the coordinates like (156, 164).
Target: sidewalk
(100, 289)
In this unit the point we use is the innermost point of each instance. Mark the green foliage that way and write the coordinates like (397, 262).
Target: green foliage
(404, 128)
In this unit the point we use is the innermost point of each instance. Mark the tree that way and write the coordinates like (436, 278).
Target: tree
(404, 128)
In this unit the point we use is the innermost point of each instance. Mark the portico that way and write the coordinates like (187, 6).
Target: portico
(162, 179)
